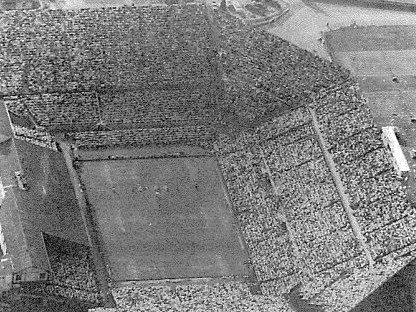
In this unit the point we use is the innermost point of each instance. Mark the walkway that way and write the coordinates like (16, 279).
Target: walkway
(341, 190)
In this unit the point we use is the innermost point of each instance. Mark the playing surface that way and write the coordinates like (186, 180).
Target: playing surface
(164, 218)
(400, 37)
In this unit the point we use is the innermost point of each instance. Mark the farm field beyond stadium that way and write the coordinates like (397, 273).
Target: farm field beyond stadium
(164, 218)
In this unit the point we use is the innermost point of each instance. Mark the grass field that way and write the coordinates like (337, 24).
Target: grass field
(376, 55)
(385, 83)
(164, 218)
(400, 37)
(377, 63)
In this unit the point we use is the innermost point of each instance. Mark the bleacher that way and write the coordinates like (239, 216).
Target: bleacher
(121, 77)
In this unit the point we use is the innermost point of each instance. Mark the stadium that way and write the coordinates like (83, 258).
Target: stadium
(175, 158)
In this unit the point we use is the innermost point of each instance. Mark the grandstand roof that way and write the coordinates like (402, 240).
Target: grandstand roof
(193, 71)
(47, 206)
(11, 224)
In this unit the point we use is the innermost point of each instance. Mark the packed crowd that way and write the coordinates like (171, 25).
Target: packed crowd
(307, 196)
(346, 125)
(368, 165)
(300, 187)
(376, 188)
(57, 109)
(375, 192)
(357, 282)
(80, 67)
(75, 109)
(356, 146)
(273, 257)
(317, 221)
(79, 70)
(295, 121)
(286, 157)
(243, 175)
(160, 107)
(224, 296)
(265, 234)
(264, 72)
(72, 270)
(191, 135)
(257, 225)
(393, 295)
(93, 49)
(35, 136)
(339, 99)
(392, 237)
(303, 193)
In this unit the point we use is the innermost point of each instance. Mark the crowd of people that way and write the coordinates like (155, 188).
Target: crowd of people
(84, 68)
(239, 170)
(92, 49)
(356, 146)
(75, 72)
(80, 109)
(392, 237)
(79, 70)
(264, 72)
(297, 121)
(199, 135)
(257, 224)
(285, 157)
(250, 198)
(295, 134)
(155, 107)
(35, 136)
(316, 221)
(273, 257)
(367, 166)
(300, 187)
(57, 109)
(337, 100)
(375, 192)
(219, 296)
(328, 250)
(339, 128)
(322, 232)
(72, 270)
(375, 188)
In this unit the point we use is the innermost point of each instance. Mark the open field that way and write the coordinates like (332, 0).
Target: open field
(400, 37)
(307, 20)
(385, 83)
(164, 218)
(367, 63)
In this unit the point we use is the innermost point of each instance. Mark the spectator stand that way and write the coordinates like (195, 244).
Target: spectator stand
(72, 270)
